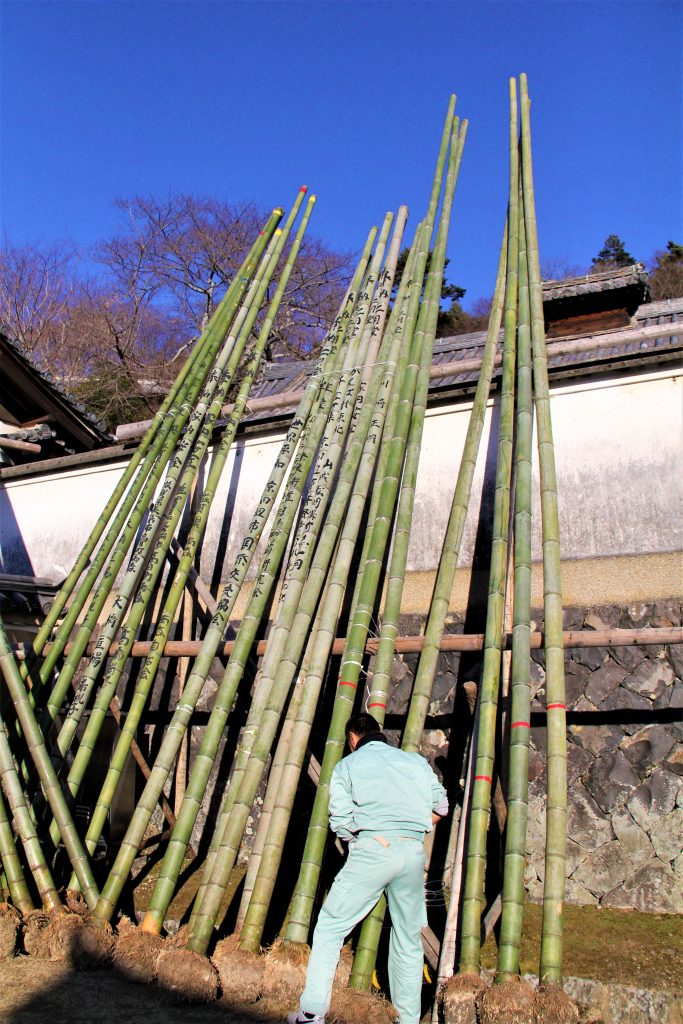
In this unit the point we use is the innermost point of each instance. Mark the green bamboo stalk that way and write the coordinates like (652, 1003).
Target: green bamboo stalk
(339, 501)
(317, 389)
(148, 670)
(274, 678)
(26, 829)
(281, 758)
(301, 905)
(343, 413)
(48, 778)
(448, 561)
(11, 865)
(493, 643)
(148, 556)
(556, 814)
(368, 941)
(260, 594)
(351, 493)
(520, 710)
(205, 758)
(155, 461)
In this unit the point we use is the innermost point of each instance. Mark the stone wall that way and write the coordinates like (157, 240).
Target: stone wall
(625, 756)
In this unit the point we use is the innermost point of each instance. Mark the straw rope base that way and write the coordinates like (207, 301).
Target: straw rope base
(189, 976)
(459, 998)
(136, 954)
(552, 1005)
(511, 1002)
(9, 927)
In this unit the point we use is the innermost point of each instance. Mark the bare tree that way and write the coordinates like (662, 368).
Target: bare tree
(113, 338)
(180, 254)
(37, 287)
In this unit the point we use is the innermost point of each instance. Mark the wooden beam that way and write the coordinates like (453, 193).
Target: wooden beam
(21, 446)
(573, 638)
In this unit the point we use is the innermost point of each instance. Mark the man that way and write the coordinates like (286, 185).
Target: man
(382, 802)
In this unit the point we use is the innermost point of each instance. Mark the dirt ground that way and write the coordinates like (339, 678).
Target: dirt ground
(641, 950)
(40, 992)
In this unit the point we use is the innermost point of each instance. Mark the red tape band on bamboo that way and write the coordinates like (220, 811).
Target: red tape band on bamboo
(551, 706)
(345, 682)
(377, 705)
(483, 778)
(515, 725)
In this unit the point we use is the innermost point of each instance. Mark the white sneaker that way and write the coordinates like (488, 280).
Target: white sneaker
(301, 1017)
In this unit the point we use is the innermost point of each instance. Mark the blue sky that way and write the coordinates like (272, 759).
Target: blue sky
(248, 100)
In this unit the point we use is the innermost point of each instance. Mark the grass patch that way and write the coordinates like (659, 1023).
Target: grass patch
(623, 946)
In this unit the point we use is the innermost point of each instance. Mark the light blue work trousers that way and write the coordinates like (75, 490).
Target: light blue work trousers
(371, 868)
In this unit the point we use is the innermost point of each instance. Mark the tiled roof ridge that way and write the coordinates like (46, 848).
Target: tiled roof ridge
(617, 273)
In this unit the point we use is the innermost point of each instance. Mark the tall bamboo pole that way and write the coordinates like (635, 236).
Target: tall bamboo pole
(518, 777)
(275, 676)
(488, 691)
(301, 905)
(438, 611)
(164, 761)
(126, 522)
(165, 621)
(368, 941)
(350, 493)
(341, 418)
(147, 559)
(318, 385)
(556, 814)
(364, 444)
(11, 865)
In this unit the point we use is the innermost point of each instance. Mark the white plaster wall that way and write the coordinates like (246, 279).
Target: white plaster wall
(619, 465)
(619, 462)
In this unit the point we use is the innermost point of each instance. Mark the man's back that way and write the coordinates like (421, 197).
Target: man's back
(383, 790)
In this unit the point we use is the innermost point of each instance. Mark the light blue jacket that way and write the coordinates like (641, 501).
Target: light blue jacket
(381, 790)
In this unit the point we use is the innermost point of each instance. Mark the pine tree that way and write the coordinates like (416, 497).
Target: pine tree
(612, 254)
(666, 273)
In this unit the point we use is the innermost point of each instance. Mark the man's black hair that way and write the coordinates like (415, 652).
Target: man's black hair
(362, 725)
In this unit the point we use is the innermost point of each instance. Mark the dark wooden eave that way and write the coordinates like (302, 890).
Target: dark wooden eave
(28, 397)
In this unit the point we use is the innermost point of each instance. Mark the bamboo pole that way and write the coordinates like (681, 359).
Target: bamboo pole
(148, 673)
(319, 385)
(342, 414)
(556, 816)
(11, 865)
(572, 639)
(275, 679)
(195, 683)
(151, 462)
(350, 495)
(488, 694)
(368, 941)
(301, 905)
